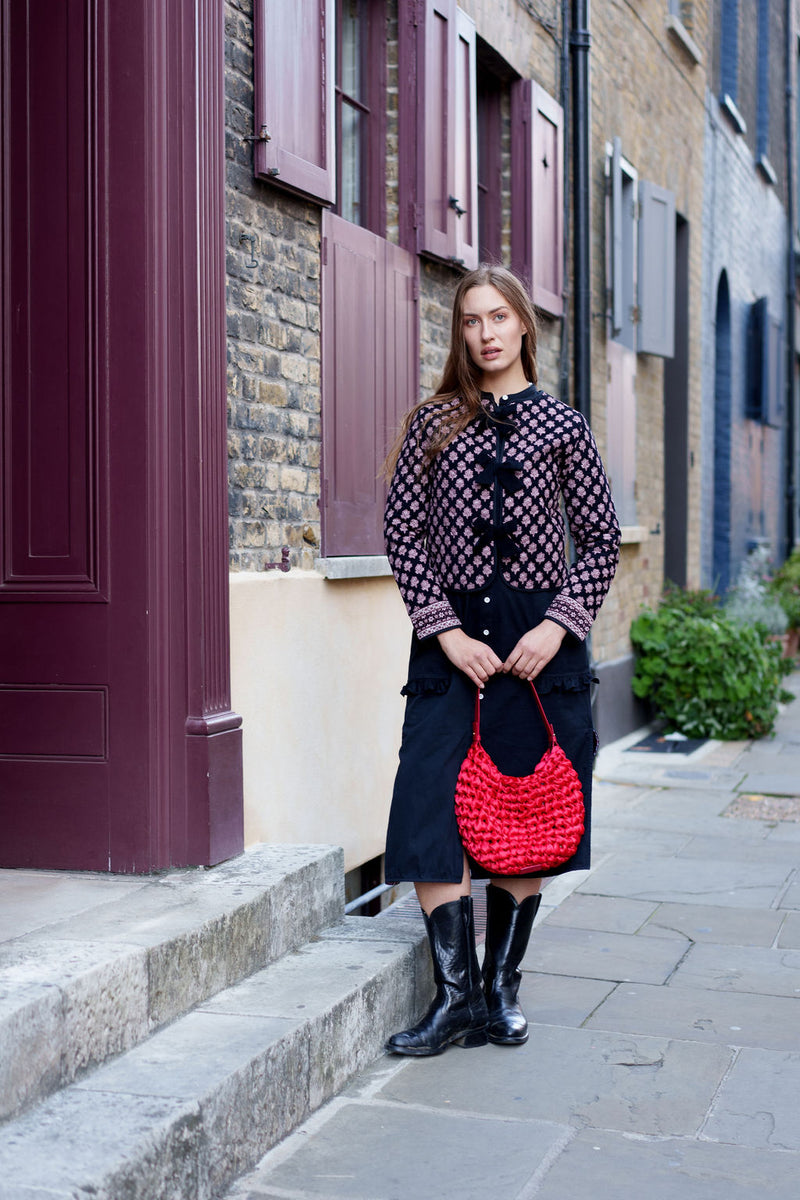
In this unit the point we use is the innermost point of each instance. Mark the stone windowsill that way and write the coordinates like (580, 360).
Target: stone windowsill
(728, 106)
(356, 566)
(632, 534)
(676, 27)
(767, 170)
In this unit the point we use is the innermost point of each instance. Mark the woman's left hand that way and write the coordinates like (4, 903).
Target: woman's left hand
(534, 650)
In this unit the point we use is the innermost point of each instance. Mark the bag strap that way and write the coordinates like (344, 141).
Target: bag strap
(476, 727)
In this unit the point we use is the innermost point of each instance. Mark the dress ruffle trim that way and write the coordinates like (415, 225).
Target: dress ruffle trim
(564, 683)
(435, 686)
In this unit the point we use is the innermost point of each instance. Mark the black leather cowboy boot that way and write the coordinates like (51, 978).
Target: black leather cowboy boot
(458, 1011)
(508, 928)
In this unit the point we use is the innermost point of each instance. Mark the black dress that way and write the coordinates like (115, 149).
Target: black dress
(423, 842)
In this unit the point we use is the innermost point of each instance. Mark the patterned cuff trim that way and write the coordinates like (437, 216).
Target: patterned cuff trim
(572, 615)
(433, 619)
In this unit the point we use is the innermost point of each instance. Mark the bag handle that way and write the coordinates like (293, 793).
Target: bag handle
(476, 727)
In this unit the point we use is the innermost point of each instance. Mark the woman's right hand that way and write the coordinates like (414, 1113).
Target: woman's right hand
(477, 660)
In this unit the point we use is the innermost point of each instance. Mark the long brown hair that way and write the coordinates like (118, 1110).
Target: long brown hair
(460, 378)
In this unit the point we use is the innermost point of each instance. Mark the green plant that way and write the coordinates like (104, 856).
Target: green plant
(785, 585)
(705, 675)
(697, 603)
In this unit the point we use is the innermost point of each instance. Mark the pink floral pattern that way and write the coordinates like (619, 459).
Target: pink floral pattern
(491, 502)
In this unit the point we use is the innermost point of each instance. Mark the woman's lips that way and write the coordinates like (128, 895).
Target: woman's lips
(490, 352)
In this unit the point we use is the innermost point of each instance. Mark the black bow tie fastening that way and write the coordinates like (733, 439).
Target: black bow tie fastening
(502, 536)
(503, 472)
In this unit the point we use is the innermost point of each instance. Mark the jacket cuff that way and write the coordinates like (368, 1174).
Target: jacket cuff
(433, 619)
(571, 615)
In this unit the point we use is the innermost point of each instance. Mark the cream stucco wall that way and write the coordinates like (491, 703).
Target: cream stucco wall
(316, 671)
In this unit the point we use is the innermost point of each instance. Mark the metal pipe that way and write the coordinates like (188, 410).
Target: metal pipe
(360, 901)
(791, 291)
(580, 42)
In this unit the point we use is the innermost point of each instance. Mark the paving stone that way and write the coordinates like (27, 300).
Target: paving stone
(738, 884)
(757, 1104)
(648, 773)
(576, 1077)
(602, 912)
(791, 897)
(559, 999)
(789, 936)
(723, 926)
(645, 843)
(774, 782)
(710, 848)
(735, 1019)
(601, 955)
(785, 831)
(380, 1152)
(622, 1167)
(755, 969)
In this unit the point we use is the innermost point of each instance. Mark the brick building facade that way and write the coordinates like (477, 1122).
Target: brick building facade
(319, 652)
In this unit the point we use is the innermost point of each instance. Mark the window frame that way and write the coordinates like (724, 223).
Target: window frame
(373, 54)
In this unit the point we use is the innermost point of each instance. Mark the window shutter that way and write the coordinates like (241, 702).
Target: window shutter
(656, 270)
(775, 402)
(294, 96)
(369, 355)
(621, 430)
(617, 300)
(538, 214)
(447, 134)
(465, 135)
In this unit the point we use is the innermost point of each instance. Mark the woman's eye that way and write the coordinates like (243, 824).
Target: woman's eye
(500, 317)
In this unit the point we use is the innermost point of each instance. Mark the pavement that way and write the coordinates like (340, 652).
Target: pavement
(663, 993)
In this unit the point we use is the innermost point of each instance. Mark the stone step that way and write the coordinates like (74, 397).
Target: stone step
(75, 992)
(200, 1101)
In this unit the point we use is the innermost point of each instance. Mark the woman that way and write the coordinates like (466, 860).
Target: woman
(476, 540)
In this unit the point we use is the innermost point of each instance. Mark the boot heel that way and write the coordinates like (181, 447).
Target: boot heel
(478, 1037)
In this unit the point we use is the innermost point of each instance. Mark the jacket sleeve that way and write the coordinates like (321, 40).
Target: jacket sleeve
(406, 522)
(595, 532)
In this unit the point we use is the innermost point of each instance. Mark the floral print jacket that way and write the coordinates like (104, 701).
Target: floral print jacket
(491, 502)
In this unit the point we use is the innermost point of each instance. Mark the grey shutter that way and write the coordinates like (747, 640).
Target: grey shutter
(617, 291)
(293, 67)
(656, 270)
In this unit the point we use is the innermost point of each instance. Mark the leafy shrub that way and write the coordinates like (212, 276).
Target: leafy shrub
(699, 603)
(706, 675)
(785, 585)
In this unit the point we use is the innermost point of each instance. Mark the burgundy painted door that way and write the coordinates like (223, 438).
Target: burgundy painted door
(101, 708)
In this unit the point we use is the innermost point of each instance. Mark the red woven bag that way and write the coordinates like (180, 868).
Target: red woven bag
(515, 825)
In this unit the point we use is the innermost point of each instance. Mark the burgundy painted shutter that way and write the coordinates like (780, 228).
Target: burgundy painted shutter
(465, 136)
(447, 134)
(294, 95)
(537, 232)
(369, 356)
(656, 270)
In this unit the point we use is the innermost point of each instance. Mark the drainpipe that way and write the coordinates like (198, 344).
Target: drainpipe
(580, 41)
(791, 286)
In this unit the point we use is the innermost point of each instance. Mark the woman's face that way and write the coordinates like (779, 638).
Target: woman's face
(492, 329)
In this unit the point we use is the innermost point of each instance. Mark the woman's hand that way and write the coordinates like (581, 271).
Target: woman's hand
(477, 660)
(534, 650)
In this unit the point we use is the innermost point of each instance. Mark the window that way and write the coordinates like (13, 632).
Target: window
(490, 166)
(729, 63)
(762, 94)
(360, 91)
(764, 395)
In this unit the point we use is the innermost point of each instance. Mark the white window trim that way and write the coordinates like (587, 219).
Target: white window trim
(675, 26)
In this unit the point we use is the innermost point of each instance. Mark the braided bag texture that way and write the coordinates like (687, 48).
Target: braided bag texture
(514, 825)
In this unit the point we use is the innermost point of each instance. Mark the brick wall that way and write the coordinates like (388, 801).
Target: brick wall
(273, 339)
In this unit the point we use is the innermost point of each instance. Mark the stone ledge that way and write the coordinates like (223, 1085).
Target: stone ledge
(201, 1101)
(80, 990)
